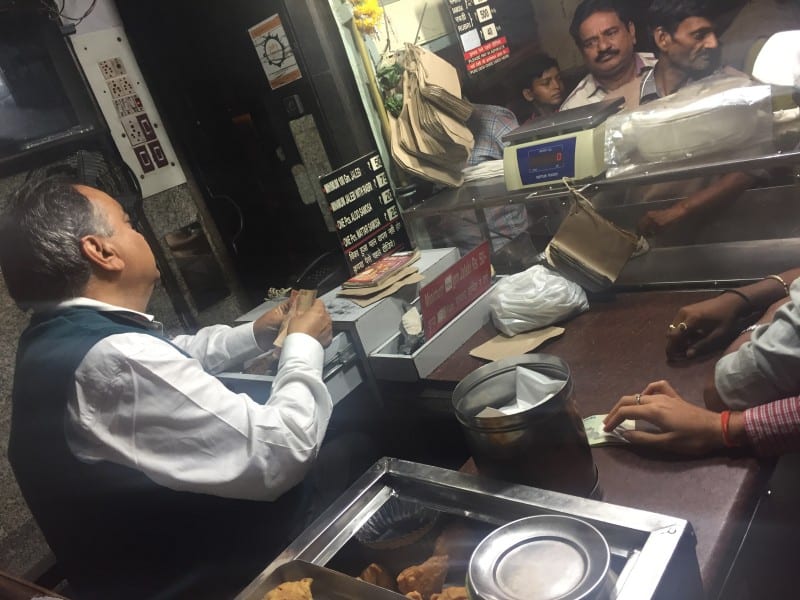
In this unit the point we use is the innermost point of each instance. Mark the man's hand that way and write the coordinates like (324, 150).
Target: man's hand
(267, 326)
(655, 221)
(703, 326)
(685, 428)
(315, 322)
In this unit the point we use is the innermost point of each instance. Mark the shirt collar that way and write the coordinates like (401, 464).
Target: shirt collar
(592, 87)
(100, 306)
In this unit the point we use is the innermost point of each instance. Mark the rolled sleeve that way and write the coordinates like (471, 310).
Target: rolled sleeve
(768, 367)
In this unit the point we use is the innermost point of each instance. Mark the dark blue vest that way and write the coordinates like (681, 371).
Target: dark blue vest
(116, 533)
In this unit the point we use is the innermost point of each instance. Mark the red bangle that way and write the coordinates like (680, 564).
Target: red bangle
(725, 417)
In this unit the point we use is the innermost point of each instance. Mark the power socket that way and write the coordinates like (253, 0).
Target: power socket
(120, 87)
(111, 68)
(129, 105)
(133, 130)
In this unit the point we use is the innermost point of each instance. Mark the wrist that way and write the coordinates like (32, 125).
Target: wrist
(739, 303)
(732, 429)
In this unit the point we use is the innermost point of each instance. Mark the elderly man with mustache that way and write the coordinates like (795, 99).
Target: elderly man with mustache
(606, 35)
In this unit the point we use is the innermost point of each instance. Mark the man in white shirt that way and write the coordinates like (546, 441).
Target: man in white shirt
(139, 466)
(605, 35)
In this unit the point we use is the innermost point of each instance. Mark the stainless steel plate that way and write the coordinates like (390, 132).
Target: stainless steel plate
(327, 585)
(544, 557)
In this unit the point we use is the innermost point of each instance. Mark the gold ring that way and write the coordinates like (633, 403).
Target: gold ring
(672, 327)
(683, 326)
(638, 398)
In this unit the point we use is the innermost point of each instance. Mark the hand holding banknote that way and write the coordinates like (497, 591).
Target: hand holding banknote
(681, 426)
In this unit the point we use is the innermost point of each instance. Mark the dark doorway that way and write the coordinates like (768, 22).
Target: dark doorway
(232, 129)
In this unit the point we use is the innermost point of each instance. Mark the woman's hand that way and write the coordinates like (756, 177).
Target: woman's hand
(684, 427)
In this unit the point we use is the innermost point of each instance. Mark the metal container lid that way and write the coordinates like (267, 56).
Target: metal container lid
(544, 557)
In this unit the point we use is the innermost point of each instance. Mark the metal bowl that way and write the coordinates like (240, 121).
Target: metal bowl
(544, 557)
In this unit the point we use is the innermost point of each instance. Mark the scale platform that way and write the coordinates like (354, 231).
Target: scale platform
(566, 144)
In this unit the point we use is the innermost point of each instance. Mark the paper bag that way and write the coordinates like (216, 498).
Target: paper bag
(588, 248)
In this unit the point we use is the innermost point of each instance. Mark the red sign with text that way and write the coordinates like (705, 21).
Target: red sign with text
(455, 289)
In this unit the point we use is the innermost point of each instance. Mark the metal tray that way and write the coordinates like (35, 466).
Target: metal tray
(652, 555)
(328, 584)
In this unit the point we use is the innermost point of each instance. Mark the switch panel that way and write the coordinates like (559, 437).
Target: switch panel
(133, 129)
(111, 68)
(114, 76)
(120, 86)
(129, 105)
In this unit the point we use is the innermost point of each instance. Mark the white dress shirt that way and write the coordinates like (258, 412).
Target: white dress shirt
(141, 403)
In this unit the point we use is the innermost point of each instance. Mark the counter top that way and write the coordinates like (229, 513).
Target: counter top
(616, 348)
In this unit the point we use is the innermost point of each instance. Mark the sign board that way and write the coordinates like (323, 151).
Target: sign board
(478, 33)
(365, 211)
(455, 289)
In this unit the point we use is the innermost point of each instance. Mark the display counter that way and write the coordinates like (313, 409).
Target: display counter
(617, 348)
(737, 240)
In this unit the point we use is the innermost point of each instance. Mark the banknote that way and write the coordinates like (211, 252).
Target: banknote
(597, 437)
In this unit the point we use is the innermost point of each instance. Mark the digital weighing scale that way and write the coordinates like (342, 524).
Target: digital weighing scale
(566, 144)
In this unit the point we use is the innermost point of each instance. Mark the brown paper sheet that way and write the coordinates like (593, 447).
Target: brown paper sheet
(502, 346)
(363, 302)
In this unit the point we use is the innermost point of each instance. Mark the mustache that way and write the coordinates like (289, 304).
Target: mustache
(606, 53)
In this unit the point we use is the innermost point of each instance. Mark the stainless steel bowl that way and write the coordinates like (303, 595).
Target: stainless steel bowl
(544, 557)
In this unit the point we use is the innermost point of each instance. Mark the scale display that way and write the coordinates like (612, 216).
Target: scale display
(549, 161)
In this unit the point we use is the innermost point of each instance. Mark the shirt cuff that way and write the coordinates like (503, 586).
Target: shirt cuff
(241, 342)
(304, 347)
(774, 428)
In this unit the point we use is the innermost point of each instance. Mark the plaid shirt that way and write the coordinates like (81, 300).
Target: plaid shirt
(774, 428)
(488, 125)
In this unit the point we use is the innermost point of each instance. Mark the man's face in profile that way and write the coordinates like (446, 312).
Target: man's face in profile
(607, 44)
(693, 47)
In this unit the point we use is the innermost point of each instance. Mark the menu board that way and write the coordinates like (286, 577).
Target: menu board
(478, 33)
(455, 289)
(365, 211)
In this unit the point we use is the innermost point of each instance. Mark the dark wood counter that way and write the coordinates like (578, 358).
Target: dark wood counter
(616, 348)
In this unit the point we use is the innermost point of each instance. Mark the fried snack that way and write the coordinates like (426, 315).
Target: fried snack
(414, 596)
(377, 575)
(427, 578)
(292, 590)
(452, 593)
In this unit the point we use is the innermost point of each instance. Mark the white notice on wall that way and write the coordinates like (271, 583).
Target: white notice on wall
(275, 52)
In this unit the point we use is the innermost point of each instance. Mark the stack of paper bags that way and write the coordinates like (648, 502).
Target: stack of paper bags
(430, 138)
(382, 279)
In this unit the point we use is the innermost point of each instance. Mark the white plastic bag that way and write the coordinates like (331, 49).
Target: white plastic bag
(533, 299)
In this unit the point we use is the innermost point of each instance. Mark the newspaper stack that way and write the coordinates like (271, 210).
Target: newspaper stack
(430, 138)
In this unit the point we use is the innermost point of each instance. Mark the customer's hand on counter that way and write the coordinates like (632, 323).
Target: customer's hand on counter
(315, 322)
(684, 427)
(703, 326)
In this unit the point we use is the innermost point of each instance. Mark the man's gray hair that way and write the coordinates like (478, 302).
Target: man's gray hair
(40, 242)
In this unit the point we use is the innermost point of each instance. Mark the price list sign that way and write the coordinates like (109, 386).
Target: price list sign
(479, 34)
(365, 211)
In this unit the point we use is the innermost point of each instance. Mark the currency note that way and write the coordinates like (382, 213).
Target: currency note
(597, 437)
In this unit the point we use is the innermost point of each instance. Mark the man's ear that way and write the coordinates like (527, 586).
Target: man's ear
(632, 31)
(101, 253)
(528, 95)
(662, 38)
